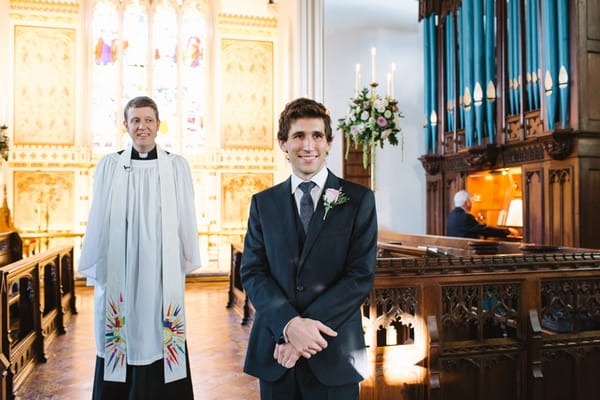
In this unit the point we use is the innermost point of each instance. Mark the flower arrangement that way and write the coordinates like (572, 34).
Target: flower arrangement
(3, 142)
(333, 197)
(370, 121)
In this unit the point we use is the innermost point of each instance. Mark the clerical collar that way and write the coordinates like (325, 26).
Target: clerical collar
(151, 155)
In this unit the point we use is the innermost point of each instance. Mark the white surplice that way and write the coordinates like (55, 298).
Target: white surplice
(143, 289)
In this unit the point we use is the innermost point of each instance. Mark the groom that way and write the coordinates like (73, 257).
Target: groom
(308, 264)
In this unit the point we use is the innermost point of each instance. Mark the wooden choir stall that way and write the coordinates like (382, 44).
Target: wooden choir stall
(454, 318)
(37, 298)
(472, 319)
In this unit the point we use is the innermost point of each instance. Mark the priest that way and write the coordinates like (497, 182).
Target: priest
(141, 240)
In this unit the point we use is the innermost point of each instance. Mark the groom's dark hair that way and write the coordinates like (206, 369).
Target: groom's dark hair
(303, 108)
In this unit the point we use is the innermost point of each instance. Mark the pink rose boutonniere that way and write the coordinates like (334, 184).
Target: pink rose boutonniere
(333, 197)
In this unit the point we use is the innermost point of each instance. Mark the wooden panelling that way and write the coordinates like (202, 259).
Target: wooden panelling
(497, 327)
(37, 298)
(533, 197)
(593, 85)
(561, 206)
(588, 233)
(593, 19)
(354, 169)
(435, 198)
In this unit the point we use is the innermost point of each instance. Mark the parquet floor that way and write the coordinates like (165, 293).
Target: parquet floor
(216, 341)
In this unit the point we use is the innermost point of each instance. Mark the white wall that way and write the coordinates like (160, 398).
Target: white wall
(352, 28)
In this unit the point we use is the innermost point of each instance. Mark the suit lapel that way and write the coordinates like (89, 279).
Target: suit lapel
(317, 222)
(285, 203)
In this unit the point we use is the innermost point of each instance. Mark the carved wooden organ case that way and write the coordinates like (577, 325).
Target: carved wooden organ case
(515, 83)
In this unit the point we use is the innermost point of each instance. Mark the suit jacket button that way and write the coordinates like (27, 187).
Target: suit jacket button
(299, 288)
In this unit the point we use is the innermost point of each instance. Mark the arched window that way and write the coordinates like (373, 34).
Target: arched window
(155, 48)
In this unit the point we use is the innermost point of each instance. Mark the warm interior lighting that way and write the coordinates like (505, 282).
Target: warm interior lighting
(514, 216)
(492, 192)
(400, 363)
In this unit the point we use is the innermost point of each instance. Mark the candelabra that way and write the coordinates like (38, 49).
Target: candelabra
(371, 120)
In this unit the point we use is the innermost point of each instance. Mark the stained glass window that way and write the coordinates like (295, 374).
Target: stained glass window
(154, 48)
(104, 70)
(194, 69)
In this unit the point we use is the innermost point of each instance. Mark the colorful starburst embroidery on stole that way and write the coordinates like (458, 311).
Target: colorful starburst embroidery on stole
(115, 345)
(173, 336)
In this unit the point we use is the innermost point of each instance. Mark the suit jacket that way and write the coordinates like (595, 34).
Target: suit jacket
(326, 279)
(462, 224)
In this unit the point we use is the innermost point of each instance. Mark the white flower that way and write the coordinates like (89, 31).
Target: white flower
(333, 197)
(355, 130)
(379, 105)
(364, 116)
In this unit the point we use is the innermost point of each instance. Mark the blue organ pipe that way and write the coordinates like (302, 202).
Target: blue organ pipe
(468, 70)
(449, 36)
(478, 62)
(535, 39)
(447, 72)
(563, 58)
(460, 115)
(516, 55)
(510, 52)
(453, 69)
(490, 63)
(518, 62)
(549, 74)
(433, 87)
(427, 83)
(528, 55)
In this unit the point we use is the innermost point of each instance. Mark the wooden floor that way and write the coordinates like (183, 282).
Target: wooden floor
(216, 341)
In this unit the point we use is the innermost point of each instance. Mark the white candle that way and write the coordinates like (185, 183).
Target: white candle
(373, 52)
(357, 79)
(393, 76)
(389, 84)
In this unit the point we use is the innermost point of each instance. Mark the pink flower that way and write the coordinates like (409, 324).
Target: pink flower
(381, 121)
(333, 197)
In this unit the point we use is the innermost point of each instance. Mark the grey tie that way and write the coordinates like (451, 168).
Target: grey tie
(307, 207)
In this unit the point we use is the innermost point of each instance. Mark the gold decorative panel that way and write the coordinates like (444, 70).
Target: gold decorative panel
(237, 192)
(43, 201)
(247, 94)
(44, 108)
(246, 25)
(57, 11)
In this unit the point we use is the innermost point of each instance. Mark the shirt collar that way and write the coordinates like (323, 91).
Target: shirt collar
(320, 178)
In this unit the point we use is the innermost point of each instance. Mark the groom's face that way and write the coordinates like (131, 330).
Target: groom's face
(306, 146)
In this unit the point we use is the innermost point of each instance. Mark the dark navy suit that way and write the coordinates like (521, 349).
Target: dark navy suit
(324, 276)
(462, 224)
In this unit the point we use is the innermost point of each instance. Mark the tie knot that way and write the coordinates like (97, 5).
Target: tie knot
(306, 187)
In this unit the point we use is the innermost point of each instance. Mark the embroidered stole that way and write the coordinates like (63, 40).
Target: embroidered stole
(115, 345)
